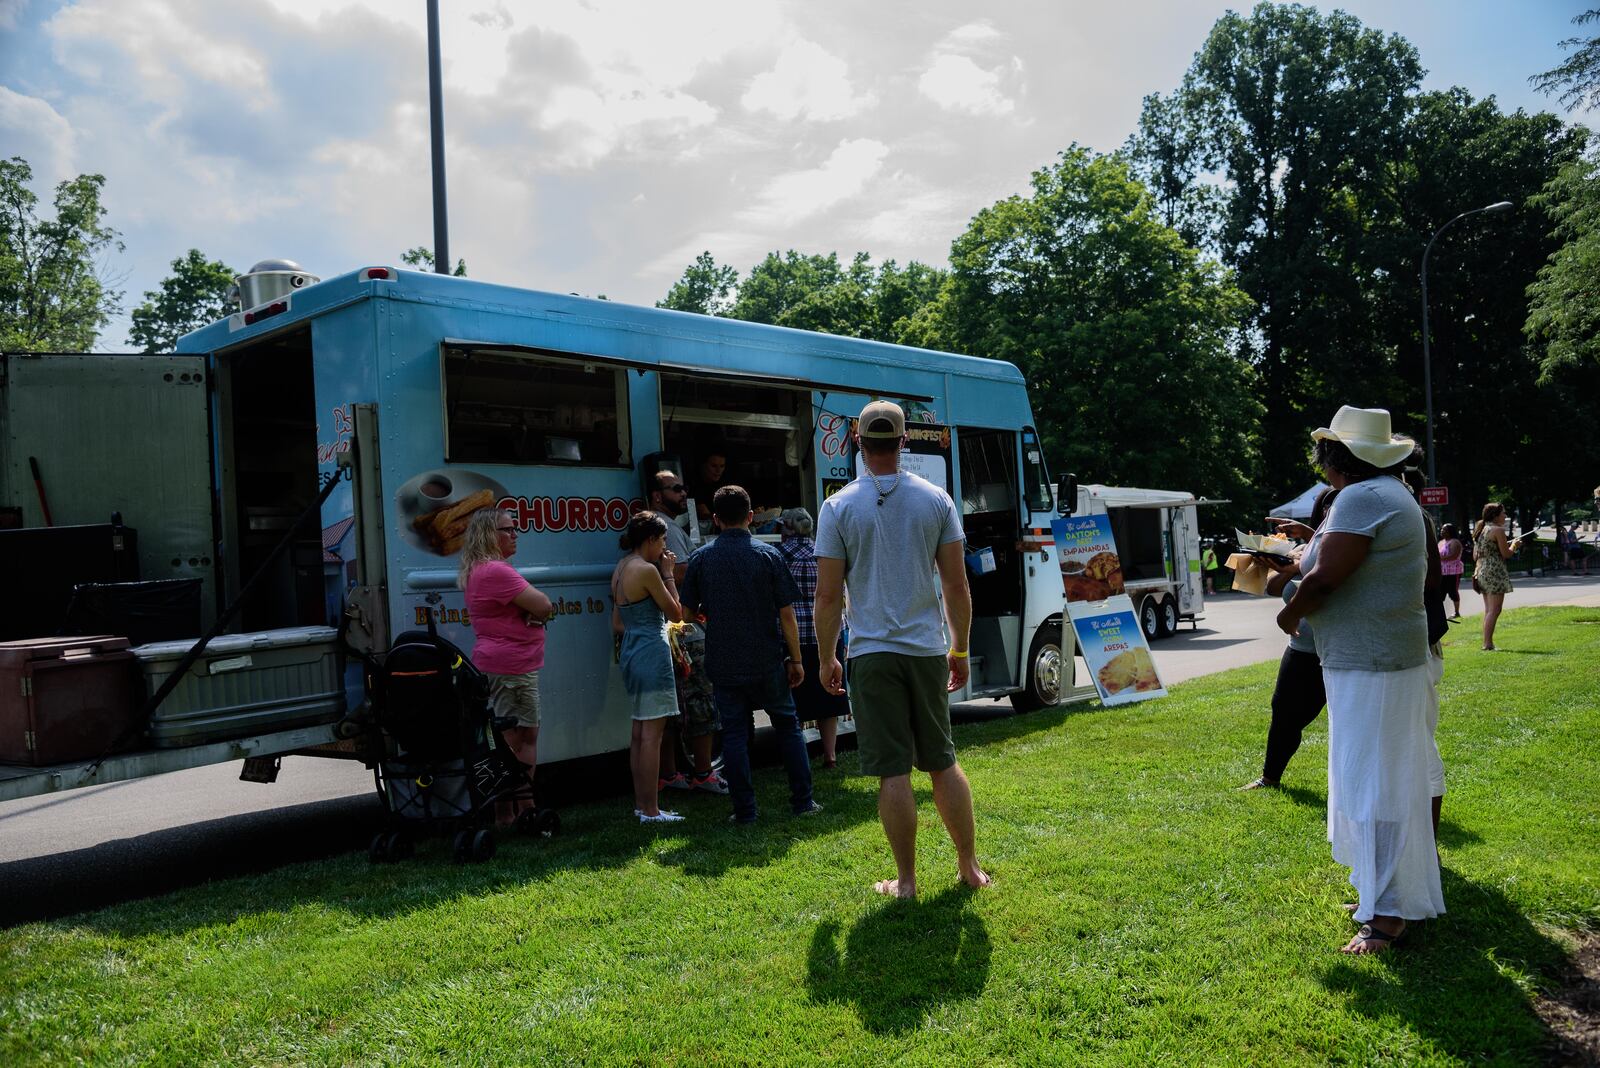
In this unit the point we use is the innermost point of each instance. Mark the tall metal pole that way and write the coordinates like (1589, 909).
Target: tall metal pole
(1427, 358)
(441, 219)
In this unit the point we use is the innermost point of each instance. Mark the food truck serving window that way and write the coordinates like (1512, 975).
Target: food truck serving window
(517, 408)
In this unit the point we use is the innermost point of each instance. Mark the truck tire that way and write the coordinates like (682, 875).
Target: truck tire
(1150, 617)
(1169, 616)
(1045, 667)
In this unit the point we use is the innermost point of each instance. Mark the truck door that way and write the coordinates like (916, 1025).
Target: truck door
(1184, 537)
(991, 515)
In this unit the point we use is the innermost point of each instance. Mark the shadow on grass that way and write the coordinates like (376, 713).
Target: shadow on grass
(1455, 836)
(902, 961)
(1454, 980)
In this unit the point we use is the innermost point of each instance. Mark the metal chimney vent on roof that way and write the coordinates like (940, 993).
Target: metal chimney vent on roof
(269, 280)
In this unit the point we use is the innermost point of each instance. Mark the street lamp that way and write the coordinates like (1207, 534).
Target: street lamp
(1427, 361)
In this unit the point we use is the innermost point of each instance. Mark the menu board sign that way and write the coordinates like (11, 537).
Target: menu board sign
(1115, 652)
(1091, 570)
(927, 454)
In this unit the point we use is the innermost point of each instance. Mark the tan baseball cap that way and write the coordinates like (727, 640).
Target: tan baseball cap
(881, 419)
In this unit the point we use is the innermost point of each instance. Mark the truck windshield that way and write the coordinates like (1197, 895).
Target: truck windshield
(1035, 476)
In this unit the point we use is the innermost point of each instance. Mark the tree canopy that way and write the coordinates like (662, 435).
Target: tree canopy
(53, 295)
(194, 294)
(1577, 78)
(422, 256)
(1126, 334)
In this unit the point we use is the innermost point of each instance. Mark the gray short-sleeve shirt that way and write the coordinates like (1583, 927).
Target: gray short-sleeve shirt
(677, 540)
(888, 552)
(1375, 621)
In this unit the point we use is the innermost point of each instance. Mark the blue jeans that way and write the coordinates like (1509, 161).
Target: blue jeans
(735, 703)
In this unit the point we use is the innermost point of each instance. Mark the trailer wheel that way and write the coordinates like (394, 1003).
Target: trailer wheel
(1169, 616)
(1150, 617)
(1045, 667)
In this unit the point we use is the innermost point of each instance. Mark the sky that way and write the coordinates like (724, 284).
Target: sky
(598, 147)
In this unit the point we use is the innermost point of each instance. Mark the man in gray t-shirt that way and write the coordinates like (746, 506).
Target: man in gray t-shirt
(894, 541)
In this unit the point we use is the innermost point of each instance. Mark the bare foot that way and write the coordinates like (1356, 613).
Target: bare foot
(1375, 938)
(977, 878)
(894, 888)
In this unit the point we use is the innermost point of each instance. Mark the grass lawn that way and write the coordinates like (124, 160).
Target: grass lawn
(1143, 912)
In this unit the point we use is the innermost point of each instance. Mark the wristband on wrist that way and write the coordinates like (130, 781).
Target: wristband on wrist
(962, 655)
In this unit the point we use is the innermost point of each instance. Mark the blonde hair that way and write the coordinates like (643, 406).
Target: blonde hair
(480, 543)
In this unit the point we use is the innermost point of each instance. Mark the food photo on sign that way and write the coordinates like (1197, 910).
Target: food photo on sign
(1091, 570)
(1115, 652)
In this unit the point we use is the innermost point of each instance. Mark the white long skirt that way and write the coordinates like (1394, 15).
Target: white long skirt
(1380, 767)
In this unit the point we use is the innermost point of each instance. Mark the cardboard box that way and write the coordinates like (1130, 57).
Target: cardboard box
(1250, 575)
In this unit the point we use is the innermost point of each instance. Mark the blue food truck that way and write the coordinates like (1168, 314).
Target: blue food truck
(439, 395)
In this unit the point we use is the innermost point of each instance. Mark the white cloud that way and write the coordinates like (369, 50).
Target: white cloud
(973, 33)
(10, 12)
(807, 82)
(32, 129)
(167, 49)
(956, 83)
(801, 194)
(919, 215)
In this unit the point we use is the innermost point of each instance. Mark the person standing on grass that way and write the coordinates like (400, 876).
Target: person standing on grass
(1298, 696)
(1365, 571)
(508, 617)
(644, 599)
(747, 595)
(1489, 576)
(885, 537)
(1451, 566)
(811, 700)
(697, 713)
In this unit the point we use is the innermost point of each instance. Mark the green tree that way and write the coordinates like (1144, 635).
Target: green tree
(422, 257)
(706, 287)
(811, 292)
(1577, 78)
(53, 296)
(1564, 311)
(1125, 333)
(1495, 422)
(194, 294)
(1297, 112)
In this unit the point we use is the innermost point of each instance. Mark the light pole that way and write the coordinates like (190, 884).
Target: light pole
(1427, 360)
(441, 219)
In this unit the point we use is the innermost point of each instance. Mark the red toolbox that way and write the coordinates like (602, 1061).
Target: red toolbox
(65, 699)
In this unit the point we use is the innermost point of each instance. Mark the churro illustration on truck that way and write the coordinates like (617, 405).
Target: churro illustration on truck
(444, 528)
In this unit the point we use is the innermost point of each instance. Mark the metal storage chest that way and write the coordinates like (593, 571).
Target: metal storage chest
(65, 699)
(244, 684)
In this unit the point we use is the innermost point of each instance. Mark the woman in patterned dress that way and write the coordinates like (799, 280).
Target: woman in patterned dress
(1491, 550)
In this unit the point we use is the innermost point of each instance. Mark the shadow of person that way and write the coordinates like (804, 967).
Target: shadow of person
(902, 960)
(1461, 981)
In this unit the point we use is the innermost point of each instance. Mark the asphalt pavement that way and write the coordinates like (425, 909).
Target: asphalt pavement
(68, 852)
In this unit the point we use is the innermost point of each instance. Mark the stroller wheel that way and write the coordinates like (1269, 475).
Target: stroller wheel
(378, 851)
(483, 845)
(398, 846)
(461, 847)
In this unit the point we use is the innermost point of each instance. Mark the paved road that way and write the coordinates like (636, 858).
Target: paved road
(67, 852)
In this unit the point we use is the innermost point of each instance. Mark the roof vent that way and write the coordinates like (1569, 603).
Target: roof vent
(271, 280)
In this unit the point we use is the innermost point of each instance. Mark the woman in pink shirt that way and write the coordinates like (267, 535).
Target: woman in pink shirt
(1451, 565)
(508, 617)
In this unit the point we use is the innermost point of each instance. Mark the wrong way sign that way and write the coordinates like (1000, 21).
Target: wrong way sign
(1434, 496)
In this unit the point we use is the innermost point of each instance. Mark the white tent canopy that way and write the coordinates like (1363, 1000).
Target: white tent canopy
(1300, 507)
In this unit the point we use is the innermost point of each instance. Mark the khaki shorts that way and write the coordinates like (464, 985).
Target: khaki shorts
(516, 695)
(902, 713)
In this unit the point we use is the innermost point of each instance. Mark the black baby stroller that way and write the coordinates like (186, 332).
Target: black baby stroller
(445, 765)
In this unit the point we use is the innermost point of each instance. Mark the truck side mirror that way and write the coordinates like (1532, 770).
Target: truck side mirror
(1067, 495)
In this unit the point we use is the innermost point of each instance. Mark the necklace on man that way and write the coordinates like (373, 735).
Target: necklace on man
(883, 494)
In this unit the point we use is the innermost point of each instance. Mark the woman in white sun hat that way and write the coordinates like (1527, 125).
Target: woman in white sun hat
(1364, 572)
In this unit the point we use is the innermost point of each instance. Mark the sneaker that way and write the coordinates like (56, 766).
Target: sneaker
(741, 820)
(812, 810)
(662, 816)
(710, 782)
(680, 781)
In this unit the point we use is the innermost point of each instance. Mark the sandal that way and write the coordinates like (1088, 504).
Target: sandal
(1260, 783)
(1370, 934)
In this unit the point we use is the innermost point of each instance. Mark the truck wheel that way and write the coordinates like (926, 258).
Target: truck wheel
(1169, 617)
(1150, 617)
(1046, 667)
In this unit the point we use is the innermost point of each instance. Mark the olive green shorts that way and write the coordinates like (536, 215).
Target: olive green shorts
(515, 695)
(902, 713)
